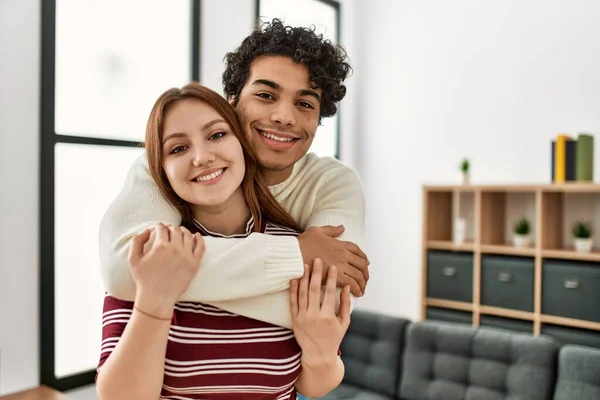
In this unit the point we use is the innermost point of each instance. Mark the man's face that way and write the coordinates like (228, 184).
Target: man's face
(280, 113)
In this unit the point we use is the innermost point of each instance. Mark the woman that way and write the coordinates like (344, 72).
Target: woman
(158, 347)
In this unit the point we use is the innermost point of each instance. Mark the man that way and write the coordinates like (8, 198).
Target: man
(282, 81)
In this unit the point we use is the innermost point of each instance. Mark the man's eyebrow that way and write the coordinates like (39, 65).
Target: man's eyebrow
(271, 84)
(277, 86)
(306, 92)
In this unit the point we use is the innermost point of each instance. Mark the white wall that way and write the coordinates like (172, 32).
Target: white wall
(224, 24)
(491, 80)
(19, 181)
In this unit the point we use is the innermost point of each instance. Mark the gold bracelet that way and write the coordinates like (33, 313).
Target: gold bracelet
(152, 316)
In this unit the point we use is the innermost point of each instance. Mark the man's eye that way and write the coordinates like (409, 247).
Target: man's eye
(265, 96)
(217, 135)
(305, 104)
(178, 149)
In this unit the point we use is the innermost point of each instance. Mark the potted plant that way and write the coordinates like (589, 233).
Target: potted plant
(582, 236)
(464, 168)
(522, 233)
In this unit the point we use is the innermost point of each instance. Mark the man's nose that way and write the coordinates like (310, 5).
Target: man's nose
(283, 114)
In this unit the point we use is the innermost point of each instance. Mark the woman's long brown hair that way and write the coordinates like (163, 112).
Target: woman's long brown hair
(261, 202)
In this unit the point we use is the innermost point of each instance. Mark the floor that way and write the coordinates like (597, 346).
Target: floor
(84, 393)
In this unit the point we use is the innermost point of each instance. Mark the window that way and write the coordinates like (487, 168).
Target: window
(324, 15)
(103, 65)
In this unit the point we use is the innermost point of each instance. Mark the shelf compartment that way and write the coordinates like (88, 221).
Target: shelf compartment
(559, 212)
(500, 211)
(511, 324)
(505, 312)
(571, 289)
(451, 304)
(506, 249)
(449, 315)
(443, 210)
(570, 254)
(507, 282)
(572, 322)
(450, 275)
(448, 245)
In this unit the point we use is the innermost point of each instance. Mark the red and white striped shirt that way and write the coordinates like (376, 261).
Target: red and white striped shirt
(214, 354)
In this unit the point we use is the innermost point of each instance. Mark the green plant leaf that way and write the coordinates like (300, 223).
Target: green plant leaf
(522, 227)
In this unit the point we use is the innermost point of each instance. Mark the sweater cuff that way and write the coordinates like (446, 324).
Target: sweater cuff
(283, 262)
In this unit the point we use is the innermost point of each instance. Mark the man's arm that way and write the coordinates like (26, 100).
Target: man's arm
(230, 268)
(340, 201)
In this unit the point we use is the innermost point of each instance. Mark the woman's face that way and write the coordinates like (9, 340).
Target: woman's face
(202, 158)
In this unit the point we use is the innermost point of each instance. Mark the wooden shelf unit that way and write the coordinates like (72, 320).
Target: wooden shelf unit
(492, 211)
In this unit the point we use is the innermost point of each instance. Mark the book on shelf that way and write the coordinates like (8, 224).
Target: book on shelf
(572, 159)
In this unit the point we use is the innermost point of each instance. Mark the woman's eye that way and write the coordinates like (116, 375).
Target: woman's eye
(265, 96)
(217, 135)
(178, 149)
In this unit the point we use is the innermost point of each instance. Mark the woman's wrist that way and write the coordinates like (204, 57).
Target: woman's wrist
(154, 306)
(319, 361)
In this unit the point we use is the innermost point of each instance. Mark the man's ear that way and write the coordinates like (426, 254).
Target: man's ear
(231, 100)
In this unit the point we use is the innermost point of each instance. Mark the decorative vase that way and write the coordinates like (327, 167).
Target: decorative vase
(583, 245)
(521, 241)
(466, 178)
(460, 228)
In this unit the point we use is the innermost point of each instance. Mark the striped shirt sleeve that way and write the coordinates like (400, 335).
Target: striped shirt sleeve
(115, 315)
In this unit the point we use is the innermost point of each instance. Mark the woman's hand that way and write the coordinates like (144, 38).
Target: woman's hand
(318, 330)
(163, 270)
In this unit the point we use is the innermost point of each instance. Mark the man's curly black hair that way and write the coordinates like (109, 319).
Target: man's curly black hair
(325, 61)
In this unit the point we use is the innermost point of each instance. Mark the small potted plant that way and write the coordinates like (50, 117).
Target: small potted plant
(522, 233)
(464, 168)
(582, 236)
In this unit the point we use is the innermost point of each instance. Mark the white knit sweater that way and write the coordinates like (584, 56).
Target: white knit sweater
(247, 276)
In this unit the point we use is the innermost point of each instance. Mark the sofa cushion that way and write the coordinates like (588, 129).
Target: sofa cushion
(372, 352)
(578, 373)
(349, 392)
(451, 362)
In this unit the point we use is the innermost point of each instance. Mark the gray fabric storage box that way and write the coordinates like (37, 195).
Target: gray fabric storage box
(455, 316)
(507, 282)
(454, 362)
(567, 335)
(571, 289)
(372, 354)
(450, 275)
(516, 325)
(578, 374)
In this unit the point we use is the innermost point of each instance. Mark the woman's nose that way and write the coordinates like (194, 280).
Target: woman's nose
(203, 157)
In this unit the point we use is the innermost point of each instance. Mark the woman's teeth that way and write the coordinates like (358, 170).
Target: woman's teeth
(210, 177)
(273, 137)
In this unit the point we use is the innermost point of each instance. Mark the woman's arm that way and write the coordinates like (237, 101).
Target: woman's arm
(134, 368)
(319, 330)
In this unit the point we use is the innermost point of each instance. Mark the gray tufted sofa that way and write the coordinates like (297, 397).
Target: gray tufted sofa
(456, 362)
(578, 373)
(390, 358)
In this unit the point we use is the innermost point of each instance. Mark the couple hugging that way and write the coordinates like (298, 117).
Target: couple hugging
(231, 257)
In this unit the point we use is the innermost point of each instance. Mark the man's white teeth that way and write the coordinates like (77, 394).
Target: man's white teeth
(210, 177)
(273, 137)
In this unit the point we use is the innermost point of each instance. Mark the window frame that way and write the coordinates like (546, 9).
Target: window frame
(336, 6)
(48, 140)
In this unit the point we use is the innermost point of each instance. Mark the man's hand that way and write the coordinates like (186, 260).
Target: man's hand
(351, 263)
